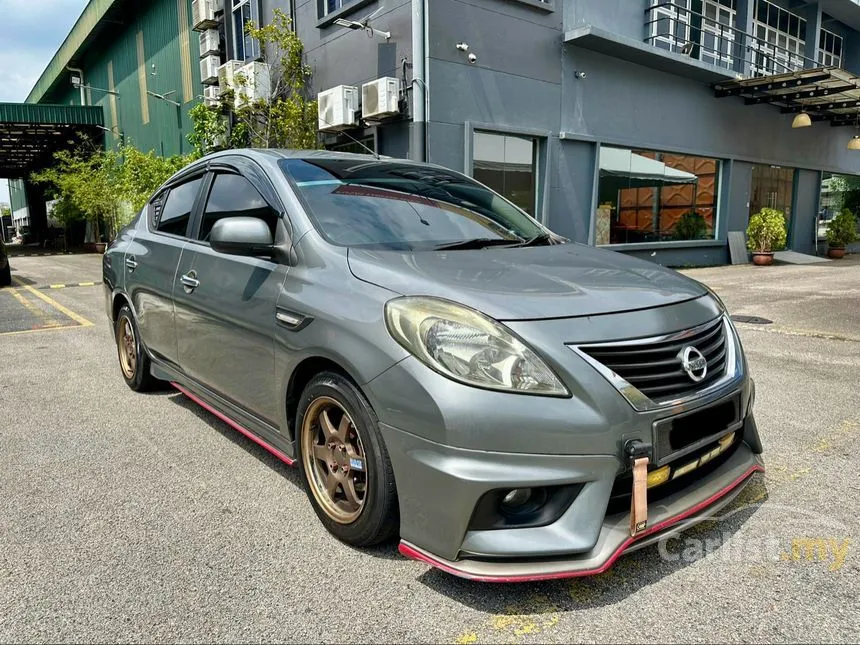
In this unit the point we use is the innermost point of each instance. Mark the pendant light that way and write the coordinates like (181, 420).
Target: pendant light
(802, 120)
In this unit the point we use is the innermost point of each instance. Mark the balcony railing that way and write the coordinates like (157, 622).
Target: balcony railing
(681, 30)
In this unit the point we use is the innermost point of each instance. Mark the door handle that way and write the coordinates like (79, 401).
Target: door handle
(189, 281)
(130, 264)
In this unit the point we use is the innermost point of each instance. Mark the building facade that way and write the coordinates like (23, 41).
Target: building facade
(603, 118)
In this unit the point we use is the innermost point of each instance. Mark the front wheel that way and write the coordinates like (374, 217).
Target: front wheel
(6, 276)
(347, 472)
(133, 359)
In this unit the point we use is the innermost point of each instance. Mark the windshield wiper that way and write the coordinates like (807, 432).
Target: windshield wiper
(477, 243)
(541, 239)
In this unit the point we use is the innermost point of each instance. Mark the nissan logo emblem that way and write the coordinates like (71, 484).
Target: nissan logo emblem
(693, 363)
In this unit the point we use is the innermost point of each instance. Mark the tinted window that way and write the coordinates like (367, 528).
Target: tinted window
(175, 212)
(234, 196)
(391, 205)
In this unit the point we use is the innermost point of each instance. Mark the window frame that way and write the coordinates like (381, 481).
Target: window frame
(255, 11)
(542, 159)
(211, 175)
(719, 202)
(325, 19)
(164, 193)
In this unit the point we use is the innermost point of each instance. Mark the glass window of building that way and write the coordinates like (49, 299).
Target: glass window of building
(678, 25)
(780, 40)
(245, 11)
(330, 6)
(507, 164)
(829, 49)
(648, 196)
(837, 192)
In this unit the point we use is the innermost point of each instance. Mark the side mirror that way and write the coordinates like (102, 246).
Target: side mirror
(241, 236)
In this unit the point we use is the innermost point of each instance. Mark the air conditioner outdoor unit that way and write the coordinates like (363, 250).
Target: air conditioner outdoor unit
(203, 14)
(336, 108)
(227, 74)
(210, 42)
(209, 70)
(211, 95)
(252, 83)
(380, 98)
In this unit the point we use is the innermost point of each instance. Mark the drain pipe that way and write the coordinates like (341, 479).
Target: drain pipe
(419, 82)
(81, 73)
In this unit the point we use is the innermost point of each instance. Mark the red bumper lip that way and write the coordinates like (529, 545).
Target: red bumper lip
(411, 552)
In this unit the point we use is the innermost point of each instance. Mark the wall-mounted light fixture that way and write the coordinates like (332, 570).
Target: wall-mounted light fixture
(364, 24)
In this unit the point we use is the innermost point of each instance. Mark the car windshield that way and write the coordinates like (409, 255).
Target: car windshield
(402, 206)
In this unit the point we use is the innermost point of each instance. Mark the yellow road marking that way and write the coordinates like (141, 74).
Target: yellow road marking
(33, 331)
(29, 306)
(56, 286)
(83, 322)
(86, 284)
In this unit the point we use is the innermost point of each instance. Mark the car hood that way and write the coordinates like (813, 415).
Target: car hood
(556, 281)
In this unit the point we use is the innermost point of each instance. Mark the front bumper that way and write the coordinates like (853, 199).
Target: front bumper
(438, 495)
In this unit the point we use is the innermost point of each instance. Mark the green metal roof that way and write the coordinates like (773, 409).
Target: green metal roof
(89, 19)
(26, 113)
(31, 134)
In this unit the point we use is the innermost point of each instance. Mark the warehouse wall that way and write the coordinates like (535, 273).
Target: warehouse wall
(154, 33)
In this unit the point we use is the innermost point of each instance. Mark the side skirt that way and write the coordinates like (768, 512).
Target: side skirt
(253, 428)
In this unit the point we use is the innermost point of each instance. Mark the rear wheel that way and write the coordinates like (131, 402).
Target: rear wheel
(346, 468)
(134, 362)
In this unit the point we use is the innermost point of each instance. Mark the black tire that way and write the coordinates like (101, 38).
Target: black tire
(378, 519)
(6, 276)
(137, 376)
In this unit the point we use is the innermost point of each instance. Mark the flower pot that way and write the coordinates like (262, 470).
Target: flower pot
(95, 247)
(836, 252)
(762, 259)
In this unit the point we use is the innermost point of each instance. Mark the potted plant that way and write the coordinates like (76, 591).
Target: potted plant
(841, 231)
(691, 226)
(766, 234)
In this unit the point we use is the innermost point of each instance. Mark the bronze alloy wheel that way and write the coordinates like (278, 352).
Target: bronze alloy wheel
(127, 347)
(334, 460)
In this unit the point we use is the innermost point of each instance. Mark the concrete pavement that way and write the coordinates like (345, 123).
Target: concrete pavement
(131, 517)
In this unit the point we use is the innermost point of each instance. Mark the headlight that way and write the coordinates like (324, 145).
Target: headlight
(467, 346)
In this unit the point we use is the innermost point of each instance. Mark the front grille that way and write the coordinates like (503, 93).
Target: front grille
(654, 368)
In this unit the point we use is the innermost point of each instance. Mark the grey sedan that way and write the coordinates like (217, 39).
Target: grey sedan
(440, 366)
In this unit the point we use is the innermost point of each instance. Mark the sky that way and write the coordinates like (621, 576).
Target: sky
(30, 33)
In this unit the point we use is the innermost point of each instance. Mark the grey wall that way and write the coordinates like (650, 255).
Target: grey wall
(622, 102)
(624, 17)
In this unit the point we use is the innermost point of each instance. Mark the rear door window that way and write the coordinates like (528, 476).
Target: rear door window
(175, 210)
(234, 196)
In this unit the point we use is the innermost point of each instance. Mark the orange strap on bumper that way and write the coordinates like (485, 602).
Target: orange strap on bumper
(639, 499)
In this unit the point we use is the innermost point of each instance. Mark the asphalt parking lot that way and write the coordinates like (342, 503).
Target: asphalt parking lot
(131, 517)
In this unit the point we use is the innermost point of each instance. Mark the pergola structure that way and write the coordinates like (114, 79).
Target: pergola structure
(824, 93)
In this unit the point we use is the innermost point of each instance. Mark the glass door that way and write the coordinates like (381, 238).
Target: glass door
(772, 187)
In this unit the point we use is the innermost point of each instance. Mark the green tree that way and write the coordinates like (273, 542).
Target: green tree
(287, 119)
(210, 129)
(141, 173)
(106, 186)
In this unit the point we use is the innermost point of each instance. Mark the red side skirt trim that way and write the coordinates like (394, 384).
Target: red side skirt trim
(280, 455)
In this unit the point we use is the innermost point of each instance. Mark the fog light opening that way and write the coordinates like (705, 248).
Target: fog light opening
(523, 501)
(516, 498)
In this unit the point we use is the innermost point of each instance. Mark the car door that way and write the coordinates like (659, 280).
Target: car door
(225, 304)
(151, 262)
